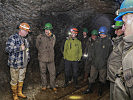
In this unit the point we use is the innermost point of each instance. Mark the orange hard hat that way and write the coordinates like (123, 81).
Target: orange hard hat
(74, 30)
(25, 26)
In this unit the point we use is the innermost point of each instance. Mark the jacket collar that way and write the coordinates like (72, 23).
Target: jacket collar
(73, 39)
(17, 34)
(117, 39)
(128, 42)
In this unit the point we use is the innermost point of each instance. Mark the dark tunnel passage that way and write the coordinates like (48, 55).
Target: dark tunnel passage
(62, 24)
(63, 15)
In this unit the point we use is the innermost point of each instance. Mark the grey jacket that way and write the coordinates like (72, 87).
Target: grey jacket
(45, 46)
(115, 59)
(90, 48)
(127, 60)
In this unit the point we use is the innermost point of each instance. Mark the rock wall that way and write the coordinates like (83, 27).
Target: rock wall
(63, 14)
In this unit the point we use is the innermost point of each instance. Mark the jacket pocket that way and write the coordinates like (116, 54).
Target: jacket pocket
(128, 77)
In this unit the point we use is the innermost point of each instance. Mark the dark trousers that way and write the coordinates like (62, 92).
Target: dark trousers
(71, 69)
(82, 67)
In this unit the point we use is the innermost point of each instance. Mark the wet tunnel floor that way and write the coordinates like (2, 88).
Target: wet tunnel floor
(34, 92)
(71, 93)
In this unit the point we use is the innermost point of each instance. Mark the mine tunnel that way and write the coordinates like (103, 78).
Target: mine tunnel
(63, 15)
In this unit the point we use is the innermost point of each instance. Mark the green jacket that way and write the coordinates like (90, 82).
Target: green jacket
(72, 50)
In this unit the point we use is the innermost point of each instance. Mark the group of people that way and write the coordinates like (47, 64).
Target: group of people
(102, 57)
(119, 63)
(97, 50)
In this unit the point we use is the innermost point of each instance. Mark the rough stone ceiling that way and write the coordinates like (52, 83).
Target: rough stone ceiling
(63, 14)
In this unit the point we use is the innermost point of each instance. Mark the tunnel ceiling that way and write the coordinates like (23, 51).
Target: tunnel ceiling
(63, 14)
(40, 11)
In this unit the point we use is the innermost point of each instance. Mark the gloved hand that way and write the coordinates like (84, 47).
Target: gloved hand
(85, 55)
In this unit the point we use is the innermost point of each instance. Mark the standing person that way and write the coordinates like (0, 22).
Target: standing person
(115, 58)
(101, 52)
(88, 53)
(45, 45)
(72, 55)
(123, 89)
(18, 48)
(83, 59)
(84, 39)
